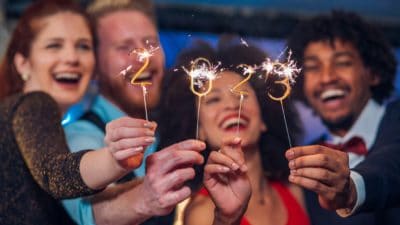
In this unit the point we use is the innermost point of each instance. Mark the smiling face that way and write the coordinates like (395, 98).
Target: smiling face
(61, 58)
(219, 113)
(121, 32)
(337, 84)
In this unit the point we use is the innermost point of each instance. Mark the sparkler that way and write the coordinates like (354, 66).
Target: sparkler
(248, 71)
(201, 72)
(143, 56)
(288, 71)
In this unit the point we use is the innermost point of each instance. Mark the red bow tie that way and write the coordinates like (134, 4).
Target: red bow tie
(355, 145)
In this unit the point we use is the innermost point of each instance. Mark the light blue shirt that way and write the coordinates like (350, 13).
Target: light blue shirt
(365, 127)
(82, 135)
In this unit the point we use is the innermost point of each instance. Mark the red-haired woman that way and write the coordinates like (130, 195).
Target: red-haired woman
(47, 67)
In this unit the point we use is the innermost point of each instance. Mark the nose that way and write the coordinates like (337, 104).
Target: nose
(328, 74)
(232, 101)
(71, 56)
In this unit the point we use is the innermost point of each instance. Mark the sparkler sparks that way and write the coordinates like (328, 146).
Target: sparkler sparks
(248, 71)
(201, 72)
(287, 71)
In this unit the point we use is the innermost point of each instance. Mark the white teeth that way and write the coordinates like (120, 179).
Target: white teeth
(233, 121)
(145, 75)
(332, 93)
(67, 76)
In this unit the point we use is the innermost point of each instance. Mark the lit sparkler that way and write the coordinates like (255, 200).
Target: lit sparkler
(202, 73)
(248, 71)
(287, 71)
(143, 55)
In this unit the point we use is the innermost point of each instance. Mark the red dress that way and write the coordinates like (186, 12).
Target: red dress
(296, 214)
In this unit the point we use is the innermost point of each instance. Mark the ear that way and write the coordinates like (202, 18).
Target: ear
(264, 127)
(374, 79)
(22, 64)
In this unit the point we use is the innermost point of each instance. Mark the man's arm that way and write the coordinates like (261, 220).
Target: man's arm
(381, 174)
(157, 193)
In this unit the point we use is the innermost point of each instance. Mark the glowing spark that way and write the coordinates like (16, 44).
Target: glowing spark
(283, 70)
(201, 72)
(244, 42)
(248, 71)
(287, 71)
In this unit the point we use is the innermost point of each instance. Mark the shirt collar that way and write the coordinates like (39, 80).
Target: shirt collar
(365, 127)
(106, 109)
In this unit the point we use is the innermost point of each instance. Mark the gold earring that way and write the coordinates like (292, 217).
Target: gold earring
(25, 76)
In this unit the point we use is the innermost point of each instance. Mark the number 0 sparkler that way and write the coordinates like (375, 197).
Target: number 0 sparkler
(202, 73)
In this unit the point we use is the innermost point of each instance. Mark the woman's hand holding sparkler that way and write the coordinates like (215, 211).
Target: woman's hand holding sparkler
(225, 178)
(127, 138)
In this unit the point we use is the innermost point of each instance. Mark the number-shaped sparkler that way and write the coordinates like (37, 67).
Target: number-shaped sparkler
(201, 73)
(248, 71)
(288, 71)
(143, 56)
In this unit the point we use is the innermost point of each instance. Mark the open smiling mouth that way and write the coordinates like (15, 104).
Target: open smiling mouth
(68, 78)
(146, 76)
(332, 94)
(231, 123)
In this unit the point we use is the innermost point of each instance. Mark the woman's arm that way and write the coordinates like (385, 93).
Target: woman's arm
(40, 137)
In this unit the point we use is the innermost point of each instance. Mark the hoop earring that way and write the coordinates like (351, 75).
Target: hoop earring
(25, 76)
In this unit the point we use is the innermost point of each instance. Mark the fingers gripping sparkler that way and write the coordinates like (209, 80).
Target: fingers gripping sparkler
(202, 73)
(288, 71)
(248, 71)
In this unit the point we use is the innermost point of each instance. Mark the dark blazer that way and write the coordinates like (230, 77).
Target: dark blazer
(381, 169)
(381, 173)
(36, 166)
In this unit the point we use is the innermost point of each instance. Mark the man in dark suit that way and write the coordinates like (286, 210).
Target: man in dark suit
(348, 73)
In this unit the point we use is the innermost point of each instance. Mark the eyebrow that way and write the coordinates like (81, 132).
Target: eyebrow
(335, 55)
(343, 53)
(215, 90)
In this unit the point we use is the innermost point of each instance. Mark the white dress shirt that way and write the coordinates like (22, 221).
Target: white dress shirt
(365, 127)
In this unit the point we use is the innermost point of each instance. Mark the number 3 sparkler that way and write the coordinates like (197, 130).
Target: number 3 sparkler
(288, 71)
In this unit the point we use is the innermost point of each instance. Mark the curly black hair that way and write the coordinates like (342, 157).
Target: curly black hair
(178, 106)
(372, 46)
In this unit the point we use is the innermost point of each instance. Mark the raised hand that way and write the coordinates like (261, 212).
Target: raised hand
(326, 172)
(167, 171)
(226, 180)
(127, 138)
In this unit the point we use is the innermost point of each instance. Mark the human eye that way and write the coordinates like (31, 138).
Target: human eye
(85, 46)
(53, 45)
(212, 100)
(125, 48)
(311, 68)
(343, 63)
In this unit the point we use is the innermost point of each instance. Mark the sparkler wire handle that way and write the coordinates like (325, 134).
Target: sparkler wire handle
(286, 126)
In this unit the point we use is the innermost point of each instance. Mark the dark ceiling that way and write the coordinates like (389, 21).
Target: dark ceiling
(259, 18)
